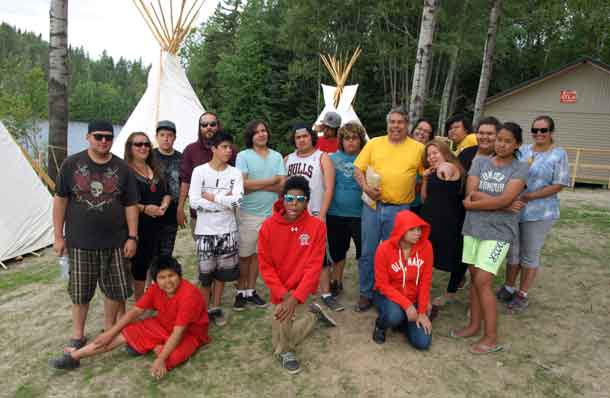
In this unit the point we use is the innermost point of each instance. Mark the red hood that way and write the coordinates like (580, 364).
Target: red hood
(404, 221)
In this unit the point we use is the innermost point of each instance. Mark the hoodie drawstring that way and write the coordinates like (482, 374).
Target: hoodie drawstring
(403, 269)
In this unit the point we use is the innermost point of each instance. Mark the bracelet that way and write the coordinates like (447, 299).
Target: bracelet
(132, 238)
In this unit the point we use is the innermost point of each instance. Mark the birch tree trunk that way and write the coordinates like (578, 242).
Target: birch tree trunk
(446, 97)
(422, 60)
(490, 44)
(58, 86)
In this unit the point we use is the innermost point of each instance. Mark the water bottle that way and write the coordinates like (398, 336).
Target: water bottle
(64, 267)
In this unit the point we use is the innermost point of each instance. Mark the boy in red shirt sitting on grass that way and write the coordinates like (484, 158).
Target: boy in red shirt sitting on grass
(291, 247)
(174, 334)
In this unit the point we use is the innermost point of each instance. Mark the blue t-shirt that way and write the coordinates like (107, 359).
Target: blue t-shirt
(255, 167)
(546, 168)
(347, 201)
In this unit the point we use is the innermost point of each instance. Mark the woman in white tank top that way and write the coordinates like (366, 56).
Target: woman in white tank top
(315, 166)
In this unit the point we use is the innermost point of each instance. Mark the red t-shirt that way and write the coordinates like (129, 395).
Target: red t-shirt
(328, 145)
(186, 308)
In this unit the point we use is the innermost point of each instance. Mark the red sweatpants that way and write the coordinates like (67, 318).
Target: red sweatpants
(145, 335)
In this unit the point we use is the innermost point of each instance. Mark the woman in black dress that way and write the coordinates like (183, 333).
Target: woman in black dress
(154, 201)
(442, 195)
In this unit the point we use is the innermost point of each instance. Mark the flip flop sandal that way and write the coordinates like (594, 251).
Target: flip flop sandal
(485, 349)
(453, 334)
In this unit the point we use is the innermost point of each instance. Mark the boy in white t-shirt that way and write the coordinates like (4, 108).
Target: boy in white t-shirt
(215, 193)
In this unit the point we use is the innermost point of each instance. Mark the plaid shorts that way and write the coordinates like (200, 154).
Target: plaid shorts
(108, 267)
(217, 256)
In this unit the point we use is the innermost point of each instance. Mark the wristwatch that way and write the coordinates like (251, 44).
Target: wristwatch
(132, 238)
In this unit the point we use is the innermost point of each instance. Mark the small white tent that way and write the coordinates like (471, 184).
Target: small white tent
(169, 95)
(339, 98)
(26, 221)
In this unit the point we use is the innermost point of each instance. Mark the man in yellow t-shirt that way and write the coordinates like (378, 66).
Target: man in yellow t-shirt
(458, 129)
(397, 159)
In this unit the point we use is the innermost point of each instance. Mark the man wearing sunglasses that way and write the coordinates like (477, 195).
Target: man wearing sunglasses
(96, 203)
(291, 247)
(195, 154)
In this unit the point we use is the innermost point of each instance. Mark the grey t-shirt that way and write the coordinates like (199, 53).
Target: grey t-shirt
(495, 224)
(97, 196)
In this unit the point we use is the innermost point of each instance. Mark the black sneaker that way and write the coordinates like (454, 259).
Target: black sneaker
(257, 301)
(332, 303)
(217, 316)
(240, 302)
(378, 334)
(289, 362)
(504, 296)
(65, 362)
(322, 315)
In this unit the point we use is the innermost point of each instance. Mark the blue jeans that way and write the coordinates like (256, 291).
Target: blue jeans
(376, 226)
(392, 315)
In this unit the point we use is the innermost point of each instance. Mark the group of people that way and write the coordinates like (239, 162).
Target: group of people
(405, 199)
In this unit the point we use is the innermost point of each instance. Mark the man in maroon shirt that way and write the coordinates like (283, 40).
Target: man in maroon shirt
(196, 154)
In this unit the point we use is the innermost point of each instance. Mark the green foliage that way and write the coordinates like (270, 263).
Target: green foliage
(98, 89)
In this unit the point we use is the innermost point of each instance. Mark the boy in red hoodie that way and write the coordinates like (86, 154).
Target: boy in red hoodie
(291, 247)
(403, 277)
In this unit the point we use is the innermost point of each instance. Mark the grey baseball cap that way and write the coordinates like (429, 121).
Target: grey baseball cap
(166, 125)
(332, 119)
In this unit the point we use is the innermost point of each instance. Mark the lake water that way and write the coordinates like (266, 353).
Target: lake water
(77, 132)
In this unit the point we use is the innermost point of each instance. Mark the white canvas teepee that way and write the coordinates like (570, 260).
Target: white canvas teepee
(169, 95)
(339, 98)
(26, 222)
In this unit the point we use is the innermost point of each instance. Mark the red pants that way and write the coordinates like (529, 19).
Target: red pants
(145, 335)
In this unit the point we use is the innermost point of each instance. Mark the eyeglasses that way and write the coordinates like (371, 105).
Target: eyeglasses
(351, 138)
(105, 137)
(211, 124)
(291, 198)
(543, 130)
(141, 144)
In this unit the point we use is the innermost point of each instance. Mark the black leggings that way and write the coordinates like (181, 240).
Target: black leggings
(456, 278)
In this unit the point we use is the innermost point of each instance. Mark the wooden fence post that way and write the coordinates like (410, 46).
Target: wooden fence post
(575, 171)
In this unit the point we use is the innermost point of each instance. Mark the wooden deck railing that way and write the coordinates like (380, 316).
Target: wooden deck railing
(589, 164)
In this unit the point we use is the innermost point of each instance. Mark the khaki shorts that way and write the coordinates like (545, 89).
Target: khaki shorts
(249, 226)
(487, 255)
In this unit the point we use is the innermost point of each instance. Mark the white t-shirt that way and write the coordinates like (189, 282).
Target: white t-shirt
(309, 167)
(217, 217)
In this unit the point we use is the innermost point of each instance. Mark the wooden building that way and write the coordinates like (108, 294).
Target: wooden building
(577, 97)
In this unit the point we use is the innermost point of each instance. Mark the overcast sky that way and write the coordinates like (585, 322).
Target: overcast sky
(112, 25)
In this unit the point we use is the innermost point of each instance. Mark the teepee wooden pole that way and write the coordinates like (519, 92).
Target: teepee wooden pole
(160, 24)
(151, 25)
(168, 29)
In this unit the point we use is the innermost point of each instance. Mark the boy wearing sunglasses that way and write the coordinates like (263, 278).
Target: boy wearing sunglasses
(95, 217)
(291, 247)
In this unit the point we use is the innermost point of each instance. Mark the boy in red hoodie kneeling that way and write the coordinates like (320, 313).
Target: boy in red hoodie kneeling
(403, 277)
(291, 247)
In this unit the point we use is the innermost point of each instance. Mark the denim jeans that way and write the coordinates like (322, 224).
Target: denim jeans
(376, 225)
(392, 315)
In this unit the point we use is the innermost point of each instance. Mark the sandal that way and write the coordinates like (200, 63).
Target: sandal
(363, 304)
(443, 300)
(485, 349)
(77, 344)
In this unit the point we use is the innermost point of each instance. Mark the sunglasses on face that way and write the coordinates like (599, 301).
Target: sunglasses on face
(211, 124)
(543, 130)
(141, 144)
(291, 198)
(105, 137)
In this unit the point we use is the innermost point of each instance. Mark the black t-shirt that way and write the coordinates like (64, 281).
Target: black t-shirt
(465, 157)
(97, 196)
(151, 193)
(170, 166)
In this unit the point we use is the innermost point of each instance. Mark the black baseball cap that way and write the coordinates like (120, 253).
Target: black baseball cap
(166, 125)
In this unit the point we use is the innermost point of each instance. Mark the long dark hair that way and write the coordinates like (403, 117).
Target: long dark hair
(517, 133)
(250, 130)
(151, 160)
(422, 120)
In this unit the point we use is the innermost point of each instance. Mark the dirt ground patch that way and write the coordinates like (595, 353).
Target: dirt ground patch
(560, 347)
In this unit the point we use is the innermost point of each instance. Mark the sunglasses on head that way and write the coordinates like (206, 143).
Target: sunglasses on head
(211, 124)
(105, 137)
(288, 198)
(543, 130)
(141, 144)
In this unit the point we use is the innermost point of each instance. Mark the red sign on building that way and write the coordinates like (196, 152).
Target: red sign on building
(567, 96)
